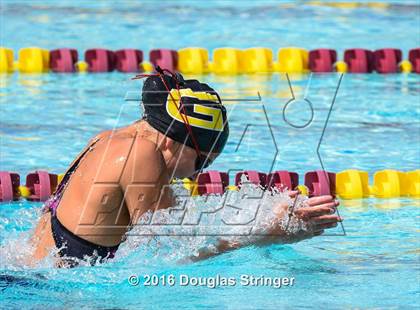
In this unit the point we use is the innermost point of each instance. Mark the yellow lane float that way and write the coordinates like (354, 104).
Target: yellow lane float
(34, 60)
(24, 191)
(352, 184)
(341, 66)
(303, 189)
(227, 60)
(60, 178)
(193, 60)
(292, 60)
(405, 66)
(257, 60)
(81, 66)
(413, 183)
(146, 66)
(6, 60)
(389, 184)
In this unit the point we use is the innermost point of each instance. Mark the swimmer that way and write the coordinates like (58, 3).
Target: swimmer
(122, 174)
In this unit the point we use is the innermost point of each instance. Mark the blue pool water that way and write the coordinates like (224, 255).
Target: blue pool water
(374, 124)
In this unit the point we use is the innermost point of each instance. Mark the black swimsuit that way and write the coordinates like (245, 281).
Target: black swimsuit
(72, 248)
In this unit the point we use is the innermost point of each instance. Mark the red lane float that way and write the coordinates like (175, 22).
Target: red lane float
(414, 58)
(212, 182)
(164, 58)
(322, 60)
(41, 184)
(386, 60)
(359, 60)
(100, 60)
(255, 177)
(128, 60)
(63, 60)
(283, 180)
(320, 182)
(9, 186)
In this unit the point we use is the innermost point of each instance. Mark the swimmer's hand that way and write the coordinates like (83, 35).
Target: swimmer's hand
(318, 213)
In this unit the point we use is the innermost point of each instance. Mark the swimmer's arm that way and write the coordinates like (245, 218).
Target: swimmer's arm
(319, 212)
(145, 181)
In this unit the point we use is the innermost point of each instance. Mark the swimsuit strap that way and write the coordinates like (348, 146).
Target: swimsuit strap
(77, 160)
(52, 203)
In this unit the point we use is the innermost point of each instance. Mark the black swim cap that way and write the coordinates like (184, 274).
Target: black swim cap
(200, 109)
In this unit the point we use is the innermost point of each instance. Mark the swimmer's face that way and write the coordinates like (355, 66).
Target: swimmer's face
(185, 162)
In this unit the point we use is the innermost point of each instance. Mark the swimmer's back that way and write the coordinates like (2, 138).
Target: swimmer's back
(93, 205)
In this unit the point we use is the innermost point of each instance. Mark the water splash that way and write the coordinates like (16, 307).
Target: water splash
(242, 217)
(175, 234)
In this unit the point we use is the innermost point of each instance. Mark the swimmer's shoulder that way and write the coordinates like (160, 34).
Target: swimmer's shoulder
(101, 135)
(123, 132)
(135, 155)
(146, 155)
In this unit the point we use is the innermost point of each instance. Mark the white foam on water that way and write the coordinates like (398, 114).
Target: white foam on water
(248, 216)
(179, 233)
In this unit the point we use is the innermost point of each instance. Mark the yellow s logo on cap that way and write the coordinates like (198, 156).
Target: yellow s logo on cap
(172, 107)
